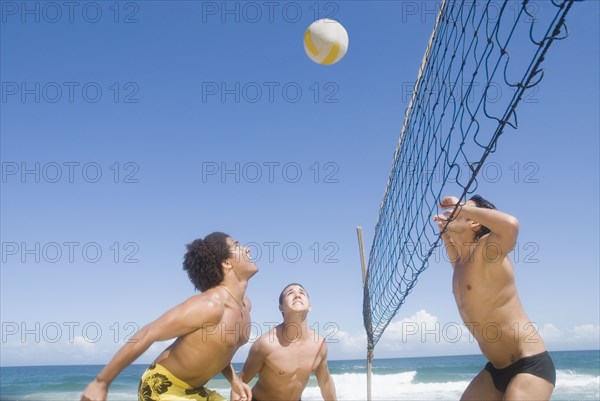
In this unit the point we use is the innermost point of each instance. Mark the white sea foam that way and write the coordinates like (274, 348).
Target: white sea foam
(396, 387)
(568, 378)
(571, 385)
(402, 386)
(76, 396)
(399, 386)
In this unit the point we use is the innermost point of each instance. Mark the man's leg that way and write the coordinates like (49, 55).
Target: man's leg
(482, 388)
(525, 386)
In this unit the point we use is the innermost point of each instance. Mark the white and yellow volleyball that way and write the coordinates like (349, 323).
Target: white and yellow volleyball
(326, 41)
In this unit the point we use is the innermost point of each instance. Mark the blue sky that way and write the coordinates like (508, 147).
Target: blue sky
(129, 129)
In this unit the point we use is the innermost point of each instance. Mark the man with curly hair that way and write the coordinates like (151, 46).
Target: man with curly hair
(478, 239)
(208, 328)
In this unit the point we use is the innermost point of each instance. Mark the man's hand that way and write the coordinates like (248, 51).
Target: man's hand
(448, 202)
(95, 391)
(441, 221)
(240, 391)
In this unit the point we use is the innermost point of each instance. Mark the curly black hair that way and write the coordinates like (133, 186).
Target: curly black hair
(484, 203)
(203, 259)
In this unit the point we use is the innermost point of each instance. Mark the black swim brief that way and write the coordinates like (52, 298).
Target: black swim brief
(539, 365)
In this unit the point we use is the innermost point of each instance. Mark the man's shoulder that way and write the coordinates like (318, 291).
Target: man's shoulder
(209, 303)
(268, 338)
(315, 333)
(209, 296)
(266, 343)
(316, 337)
(493, 252)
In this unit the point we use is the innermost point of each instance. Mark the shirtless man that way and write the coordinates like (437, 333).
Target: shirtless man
(478, 238)
(208, 327)
(285, 356)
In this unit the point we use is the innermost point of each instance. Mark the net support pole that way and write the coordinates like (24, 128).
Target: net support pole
(361, 250)
(369, 370)
(363, 264)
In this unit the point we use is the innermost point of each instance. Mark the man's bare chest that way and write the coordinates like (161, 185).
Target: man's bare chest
(291, 362)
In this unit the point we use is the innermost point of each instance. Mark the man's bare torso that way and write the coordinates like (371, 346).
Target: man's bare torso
(198, 356)
(487, 300)
(288, 365)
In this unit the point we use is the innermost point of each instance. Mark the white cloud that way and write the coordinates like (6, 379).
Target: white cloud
(424, 334)
(586, 332)
(585, 336)
(421, 334)
(351, 342)
(550, 332)
(40, 349)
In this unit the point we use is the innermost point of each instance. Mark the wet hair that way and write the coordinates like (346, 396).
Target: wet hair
(288, 286)
(203, 259)
(484, 203)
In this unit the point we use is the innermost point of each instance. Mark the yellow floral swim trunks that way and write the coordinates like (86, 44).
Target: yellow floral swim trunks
(159, 384)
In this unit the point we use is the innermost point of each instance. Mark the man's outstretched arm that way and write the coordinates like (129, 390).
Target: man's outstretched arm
(180, 320)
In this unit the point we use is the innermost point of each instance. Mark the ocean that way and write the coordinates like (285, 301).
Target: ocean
(429, 378)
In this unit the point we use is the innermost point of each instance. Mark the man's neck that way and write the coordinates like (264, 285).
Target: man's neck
(235, 287)
(465, 245)
(295, 327)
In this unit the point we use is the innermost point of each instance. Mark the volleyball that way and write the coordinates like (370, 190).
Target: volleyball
(326, 41)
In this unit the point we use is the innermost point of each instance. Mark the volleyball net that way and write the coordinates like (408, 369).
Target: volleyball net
(483, 59)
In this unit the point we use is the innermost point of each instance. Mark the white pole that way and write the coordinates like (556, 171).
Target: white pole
(363, 264)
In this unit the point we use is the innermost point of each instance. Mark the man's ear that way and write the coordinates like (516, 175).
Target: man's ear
(226, 265)
(281, 308)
